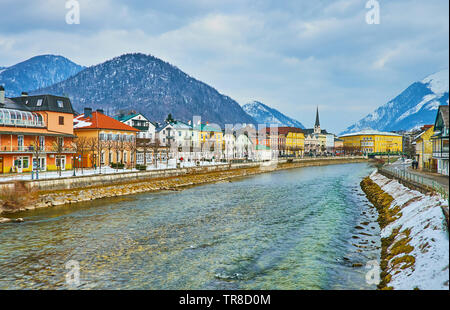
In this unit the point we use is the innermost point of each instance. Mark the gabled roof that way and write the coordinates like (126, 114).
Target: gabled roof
(442, 114)
(46, 103)
(100, 121)
(285, 130)
(206, 128)
(175, 125)
(311, 130)
(124, 118)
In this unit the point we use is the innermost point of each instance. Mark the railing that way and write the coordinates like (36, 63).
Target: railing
(420, 180)
(30, 149)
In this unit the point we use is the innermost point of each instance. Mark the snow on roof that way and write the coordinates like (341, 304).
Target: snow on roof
(371, 132)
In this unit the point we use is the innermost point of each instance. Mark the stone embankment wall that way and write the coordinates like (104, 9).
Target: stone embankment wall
(414, 235)
(78, 189)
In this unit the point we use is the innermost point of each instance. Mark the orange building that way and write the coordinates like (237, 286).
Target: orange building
(36, 132)
(103, 135)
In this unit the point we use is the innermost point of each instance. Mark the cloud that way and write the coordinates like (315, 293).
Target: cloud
(292, 55)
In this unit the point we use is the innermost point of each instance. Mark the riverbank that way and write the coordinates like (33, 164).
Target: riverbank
(168, 180)
(415, 244)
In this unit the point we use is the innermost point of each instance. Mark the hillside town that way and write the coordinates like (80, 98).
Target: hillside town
(43, 133)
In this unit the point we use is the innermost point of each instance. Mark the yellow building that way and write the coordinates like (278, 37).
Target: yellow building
(209, 133)
(372, 141)
(424, 147)
(295, 140)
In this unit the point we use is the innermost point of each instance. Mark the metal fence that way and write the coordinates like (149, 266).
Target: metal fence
(420, 180)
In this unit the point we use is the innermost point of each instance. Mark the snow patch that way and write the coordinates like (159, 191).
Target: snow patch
(422, 214)
(437, 82)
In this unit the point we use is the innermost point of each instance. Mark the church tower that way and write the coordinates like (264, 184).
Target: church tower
(317, 124)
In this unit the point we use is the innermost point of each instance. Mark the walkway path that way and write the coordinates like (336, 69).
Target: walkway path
(439, 178)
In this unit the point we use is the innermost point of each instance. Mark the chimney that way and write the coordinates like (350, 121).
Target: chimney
(2, 95)
(24, 94)
(100, 111)
(87, 112)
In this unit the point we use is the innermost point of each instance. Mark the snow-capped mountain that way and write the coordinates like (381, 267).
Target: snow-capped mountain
(263, 114)
(37, 72)
(414, 107)
(150, 86)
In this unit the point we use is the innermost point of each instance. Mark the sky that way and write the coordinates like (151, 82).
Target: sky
(292, 55)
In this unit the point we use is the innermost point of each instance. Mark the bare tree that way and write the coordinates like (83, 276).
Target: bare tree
(92, 145)
(80, 145)
(156, 148)
(58, 147)
(132, 147)
(37, 151)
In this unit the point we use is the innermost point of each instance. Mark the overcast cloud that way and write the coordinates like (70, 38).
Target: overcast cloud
(291, 55)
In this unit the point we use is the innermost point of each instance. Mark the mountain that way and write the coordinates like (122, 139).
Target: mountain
(151, 86)
(37, 72)
(414, 107)
(263, 114)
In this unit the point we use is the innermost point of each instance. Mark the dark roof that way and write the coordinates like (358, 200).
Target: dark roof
(49, 103)
(311, 130)
(9, 104)
(286, 130)
(443, 109)
(317, 124)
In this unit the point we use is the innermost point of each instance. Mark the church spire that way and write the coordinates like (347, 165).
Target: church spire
(317, 118)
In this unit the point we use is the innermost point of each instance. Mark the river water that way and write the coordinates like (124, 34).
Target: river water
(306, 228)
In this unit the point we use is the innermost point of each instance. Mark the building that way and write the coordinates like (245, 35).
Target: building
(146, 128)
(316, 138)
(372, 141)
(245, 148)
(103, 140)
(338, 146)
(210, 139)
(36, 133)
(180, 138)
(229, 145)
(288, 141)
(440, 140)
(424, 148)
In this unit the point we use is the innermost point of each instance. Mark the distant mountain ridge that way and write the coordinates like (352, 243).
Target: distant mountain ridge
(264, 114)
(37, 72)
(151, 86)
(414, 107)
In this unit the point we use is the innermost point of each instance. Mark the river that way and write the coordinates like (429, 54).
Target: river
(306, 228)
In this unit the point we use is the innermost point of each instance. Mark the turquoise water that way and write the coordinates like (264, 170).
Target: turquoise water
(292, 229)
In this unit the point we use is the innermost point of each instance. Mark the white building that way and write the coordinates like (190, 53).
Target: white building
(146, 128)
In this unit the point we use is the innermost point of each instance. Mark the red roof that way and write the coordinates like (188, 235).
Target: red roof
(99, 121)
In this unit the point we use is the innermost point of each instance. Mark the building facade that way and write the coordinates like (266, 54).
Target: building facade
(36, 133)
(424, 148)
(440, 140)
(103, 141)
(372, 141)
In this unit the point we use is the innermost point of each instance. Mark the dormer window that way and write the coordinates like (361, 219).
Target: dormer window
(39, 103)
(60, 103)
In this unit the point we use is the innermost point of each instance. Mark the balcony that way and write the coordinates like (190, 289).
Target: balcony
(30, 150)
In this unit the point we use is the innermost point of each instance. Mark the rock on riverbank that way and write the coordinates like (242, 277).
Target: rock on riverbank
(415, 244)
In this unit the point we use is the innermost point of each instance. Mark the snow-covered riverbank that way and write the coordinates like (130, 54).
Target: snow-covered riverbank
(415, 237)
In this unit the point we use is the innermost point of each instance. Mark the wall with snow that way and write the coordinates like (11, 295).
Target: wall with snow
(423, 215)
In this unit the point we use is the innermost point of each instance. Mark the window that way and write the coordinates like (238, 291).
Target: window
(61, 120)
(20, 142)
(42, 142)
(39, 102)
(60, 103)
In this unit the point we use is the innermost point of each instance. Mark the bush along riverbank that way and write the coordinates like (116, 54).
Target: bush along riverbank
(414, 235)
